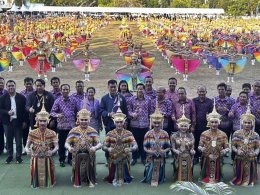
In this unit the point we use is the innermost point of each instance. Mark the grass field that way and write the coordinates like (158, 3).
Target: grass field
(15, 179)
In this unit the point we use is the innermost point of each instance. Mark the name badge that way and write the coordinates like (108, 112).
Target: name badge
(214, 143)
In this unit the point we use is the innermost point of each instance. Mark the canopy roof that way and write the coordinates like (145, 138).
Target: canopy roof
(126, 10)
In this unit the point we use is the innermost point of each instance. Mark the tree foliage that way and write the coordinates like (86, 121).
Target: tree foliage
(233, 7)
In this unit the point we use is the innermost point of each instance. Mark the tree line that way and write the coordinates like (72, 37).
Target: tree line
(231, 7)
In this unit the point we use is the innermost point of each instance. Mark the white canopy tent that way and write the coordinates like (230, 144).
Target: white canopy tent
(14, 8)
(24, 9)
(127, 10)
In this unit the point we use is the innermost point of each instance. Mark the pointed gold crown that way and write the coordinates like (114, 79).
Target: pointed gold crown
(84, 113)
(214, 114)
(248, 114)
(157, 115)
(119, 115)
(183, 118)
(43, 114)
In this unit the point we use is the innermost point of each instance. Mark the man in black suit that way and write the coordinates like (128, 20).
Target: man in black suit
(35, 99)
(12, 112)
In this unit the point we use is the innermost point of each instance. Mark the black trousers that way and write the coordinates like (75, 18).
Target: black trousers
(13, 131)
(197, 135)
(2, 139)
(62, 136)
(139, 134)
(257, 130)
(25, 135)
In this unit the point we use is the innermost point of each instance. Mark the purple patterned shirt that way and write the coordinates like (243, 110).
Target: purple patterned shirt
(255, 105)
(56, 94)
(78, 98)
(166, 109)
(69, 109)
(237, 111)
(127, 96)
(143, 108)
(171, 96)
(26, 93)
(190, 111)
(152, 94)
(223, 106)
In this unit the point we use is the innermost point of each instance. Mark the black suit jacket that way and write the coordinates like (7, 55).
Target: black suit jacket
(32, 101)
(5, 107)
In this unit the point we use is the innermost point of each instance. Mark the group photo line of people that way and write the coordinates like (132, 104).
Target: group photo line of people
(150, 124)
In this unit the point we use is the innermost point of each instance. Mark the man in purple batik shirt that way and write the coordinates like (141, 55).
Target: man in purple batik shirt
(28, 83)
(149, 91)
(223, 106)
(2, 140)
(238, 109)
(189, 108)
(55, 83)
(171, 92)
(139, 109)
(65, 110)
(79, 94)
(165, 107)
(229, 92)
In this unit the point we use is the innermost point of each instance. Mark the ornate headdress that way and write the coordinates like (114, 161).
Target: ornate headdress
(43, 114)
(157, 115)
(248, 114)
(119, 115)
(214, 114)
(183, 119)
(84, 113)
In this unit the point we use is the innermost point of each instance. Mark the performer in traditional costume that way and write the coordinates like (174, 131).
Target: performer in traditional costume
(83, 142)
(87, 65)
(9, 55)
(188, 63)
(213, 145)
(232, 65)
(120, 143)
(41, 144)
(156, 145)
(137, 73)
(245, 144)
(55, 57)
(183, 146)
(39, 63)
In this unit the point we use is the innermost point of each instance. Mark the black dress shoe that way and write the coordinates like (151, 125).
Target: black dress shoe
(24, 153)
(9, 159)
(143, 162)
(133, 162)
(62, 164)
(19, 160)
